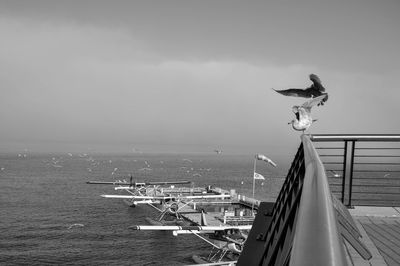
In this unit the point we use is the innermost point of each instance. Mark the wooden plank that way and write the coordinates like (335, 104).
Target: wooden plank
(392, 230)
(377, 258)
(355, 243)
(382, 244)
(389, 241)
(391, 262)
(392, 236)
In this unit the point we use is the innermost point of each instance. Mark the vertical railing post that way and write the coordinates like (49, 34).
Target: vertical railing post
(351, 172)
(344, 170)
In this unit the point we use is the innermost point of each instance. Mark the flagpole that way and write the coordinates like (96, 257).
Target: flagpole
(254, 181)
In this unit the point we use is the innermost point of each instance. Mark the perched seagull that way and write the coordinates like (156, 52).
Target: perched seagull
(303, 114)
(315, 90)
(265, 159)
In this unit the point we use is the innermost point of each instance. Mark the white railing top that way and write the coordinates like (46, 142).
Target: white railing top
(317, 240)
(355, 137)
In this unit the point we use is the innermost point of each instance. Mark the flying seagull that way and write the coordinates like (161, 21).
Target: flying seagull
(303, 114)
(315, 90)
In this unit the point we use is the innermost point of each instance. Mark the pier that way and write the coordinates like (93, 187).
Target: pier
(235, 211)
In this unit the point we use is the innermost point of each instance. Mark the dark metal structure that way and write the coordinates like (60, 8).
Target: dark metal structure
(307, 225)
(273, 229)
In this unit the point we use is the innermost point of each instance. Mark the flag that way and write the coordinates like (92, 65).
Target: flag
(265, 159)
(258, 176)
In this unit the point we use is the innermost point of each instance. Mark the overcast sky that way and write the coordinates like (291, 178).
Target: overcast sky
(192, 75)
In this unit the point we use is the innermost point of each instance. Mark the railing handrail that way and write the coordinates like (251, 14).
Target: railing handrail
(368, 153)
(355, 137)
(317, 239)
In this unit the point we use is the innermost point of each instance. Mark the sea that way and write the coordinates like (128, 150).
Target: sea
(50, 216)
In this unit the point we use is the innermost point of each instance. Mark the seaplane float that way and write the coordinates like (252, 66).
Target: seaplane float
(227, 241)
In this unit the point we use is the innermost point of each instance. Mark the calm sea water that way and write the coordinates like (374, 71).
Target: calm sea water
(41, 196)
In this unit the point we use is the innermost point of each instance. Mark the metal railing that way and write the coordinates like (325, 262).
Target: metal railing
(302, 228)
(270, 241)
(362, 169)
(317, 228)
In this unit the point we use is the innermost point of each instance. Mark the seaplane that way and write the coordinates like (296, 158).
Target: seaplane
(171, 206)
(168, 201)
(227, 241)
(143, 189)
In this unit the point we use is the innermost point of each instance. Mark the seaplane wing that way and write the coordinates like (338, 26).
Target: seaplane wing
(233, 236)
(116, 183)
(136, 184)
(189, 229)
(165, 197)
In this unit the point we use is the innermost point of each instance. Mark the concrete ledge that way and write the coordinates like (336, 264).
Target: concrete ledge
(375, 211)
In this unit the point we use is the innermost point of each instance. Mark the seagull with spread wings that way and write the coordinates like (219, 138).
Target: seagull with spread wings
(315, 90)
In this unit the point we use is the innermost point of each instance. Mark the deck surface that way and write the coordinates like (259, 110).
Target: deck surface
(382, 226)
(195, 217)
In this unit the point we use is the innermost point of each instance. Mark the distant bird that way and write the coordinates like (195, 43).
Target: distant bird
(218, 151)
(265, 159)
(145, 169)
(303, 114)
(75, 225)
(115, 170)
(315, 90)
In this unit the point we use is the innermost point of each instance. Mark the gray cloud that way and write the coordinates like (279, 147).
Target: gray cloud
(64, 81)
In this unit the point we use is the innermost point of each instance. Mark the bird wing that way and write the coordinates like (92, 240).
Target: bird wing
(294, 92)
(313, 101)
(317, 83)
